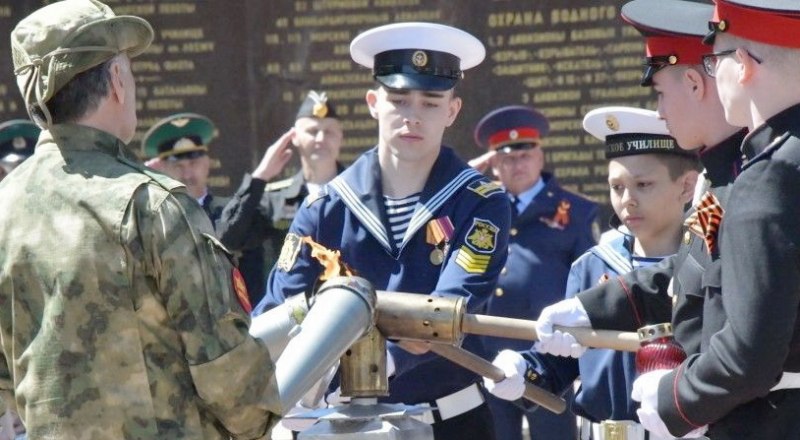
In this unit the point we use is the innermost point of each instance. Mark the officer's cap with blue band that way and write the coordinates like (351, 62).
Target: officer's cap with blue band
(417, 55)
(515, 127)
(628, 131)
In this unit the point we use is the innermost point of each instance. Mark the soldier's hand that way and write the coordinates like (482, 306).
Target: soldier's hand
(275, 158)
(482, 162)
(513, 366)
(566, 313)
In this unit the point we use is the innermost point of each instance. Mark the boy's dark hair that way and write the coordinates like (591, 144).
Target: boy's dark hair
(678, 165)
(79, 96)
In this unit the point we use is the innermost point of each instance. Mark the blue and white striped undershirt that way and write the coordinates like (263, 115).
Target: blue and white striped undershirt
(399, 213)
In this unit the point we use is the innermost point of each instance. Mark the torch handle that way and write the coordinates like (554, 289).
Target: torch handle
(481, 366)
(524, 329)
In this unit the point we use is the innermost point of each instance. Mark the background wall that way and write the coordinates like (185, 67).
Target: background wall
(247, 64)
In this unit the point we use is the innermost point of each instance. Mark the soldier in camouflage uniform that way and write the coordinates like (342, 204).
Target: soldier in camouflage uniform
(118, 318)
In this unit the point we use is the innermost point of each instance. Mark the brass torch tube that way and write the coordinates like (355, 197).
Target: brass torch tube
(478, 365)
(523, 329)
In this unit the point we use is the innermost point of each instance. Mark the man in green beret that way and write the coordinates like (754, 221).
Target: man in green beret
(17, 140)
(120, 314)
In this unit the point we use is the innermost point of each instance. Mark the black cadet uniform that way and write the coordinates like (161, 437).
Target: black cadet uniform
(750, 336)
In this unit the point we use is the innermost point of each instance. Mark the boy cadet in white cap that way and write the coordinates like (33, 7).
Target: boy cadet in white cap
(119, 314)
(651, 180)
(409, 215)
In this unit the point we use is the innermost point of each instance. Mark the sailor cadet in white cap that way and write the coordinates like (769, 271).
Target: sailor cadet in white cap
(650, 181)
(409, 215)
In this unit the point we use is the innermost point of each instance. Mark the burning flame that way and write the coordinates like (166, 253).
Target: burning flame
(331, 260)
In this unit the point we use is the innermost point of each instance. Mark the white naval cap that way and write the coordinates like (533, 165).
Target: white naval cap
(628, 131)
(417, 55)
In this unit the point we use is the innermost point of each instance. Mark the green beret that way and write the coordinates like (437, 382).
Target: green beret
(178, 135)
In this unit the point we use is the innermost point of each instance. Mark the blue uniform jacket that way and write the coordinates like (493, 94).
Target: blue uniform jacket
(349, 215)
(606, 375)
(540, 254)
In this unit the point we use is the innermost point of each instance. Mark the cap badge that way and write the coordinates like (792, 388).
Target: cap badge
(320, 110)
(180, 122)
(419, 58)
(183, 144)
(513, 134)
(612, 123)
(18, 143)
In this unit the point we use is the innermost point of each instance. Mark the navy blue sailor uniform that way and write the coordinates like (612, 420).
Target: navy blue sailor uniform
(606, 375)
(540, 253)
(604, 396)
(348, 215)
(551, 227)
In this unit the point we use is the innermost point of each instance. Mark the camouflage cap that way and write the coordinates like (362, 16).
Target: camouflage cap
(65, 38)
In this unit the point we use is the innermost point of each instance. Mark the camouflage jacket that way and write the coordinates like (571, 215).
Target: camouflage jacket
(118, 318)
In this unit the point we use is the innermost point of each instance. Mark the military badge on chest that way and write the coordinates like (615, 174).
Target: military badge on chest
(439, 233)
(560, 219)
(481, 241)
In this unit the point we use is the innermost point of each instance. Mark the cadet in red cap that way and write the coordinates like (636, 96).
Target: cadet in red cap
(551, 227)
(744, 383)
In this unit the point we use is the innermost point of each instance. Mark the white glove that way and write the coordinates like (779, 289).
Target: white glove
(513, 366)
(567, 313)
(390, 368)
(336, 399)
(645, 390)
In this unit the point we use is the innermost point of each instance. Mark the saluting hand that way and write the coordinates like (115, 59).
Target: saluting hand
(275, 158)
(482, 162)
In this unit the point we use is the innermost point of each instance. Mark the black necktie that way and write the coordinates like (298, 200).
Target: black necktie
(514, 207)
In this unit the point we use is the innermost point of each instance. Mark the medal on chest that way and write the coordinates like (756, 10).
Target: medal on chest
(439, 232)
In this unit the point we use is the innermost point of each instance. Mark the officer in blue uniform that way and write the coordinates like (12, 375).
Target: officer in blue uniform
(409, 215)
(551, 228)
(17, 140)
(603, 399)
